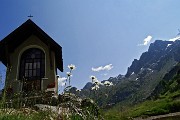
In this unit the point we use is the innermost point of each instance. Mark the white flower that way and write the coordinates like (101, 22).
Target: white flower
(96, 87)
(71, 67)
(78, 90)
(110, 84)
(93, 77)
(93, 88)
(95, 81)
(107, 83)
(69, 74)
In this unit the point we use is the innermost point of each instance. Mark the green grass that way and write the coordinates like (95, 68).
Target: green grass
(165, 104)
(22, 116)
(115, 115)
(150, 108)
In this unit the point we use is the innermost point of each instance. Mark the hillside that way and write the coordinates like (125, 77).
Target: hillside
(164, 99)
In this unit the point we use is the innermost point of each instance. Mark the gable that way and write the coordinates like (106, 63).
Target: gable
(18, 36)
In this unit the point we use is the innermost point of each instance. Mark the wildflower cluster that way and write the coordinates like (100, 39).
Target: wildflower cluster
(97, 83)
(107, 83)
(69, 74)
(102, 93)
(72, 106)
(66, 81)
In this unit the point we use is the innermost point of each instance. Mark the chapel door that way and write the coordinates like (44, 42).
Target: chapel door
(32, 69)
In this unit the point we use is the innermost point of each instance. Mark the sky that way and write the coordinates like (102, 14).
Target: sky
(100, 37)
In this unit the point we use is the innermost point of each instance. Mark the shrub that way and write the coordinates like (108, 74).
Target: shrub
(175, 106)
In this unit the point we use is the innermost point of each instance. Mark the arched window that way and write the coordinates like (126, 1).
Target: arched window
(32, 64)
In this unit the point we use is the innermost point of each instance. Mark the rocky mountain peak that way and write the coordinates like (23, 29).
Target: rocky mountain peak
(152, 58)
(159, 45)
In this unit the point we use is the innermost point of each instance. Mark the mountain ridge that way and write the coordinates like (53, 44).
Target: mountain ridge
(144, 75)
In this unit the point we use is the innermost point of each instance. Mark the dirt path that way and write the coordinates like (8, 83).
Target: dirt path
(173, 116)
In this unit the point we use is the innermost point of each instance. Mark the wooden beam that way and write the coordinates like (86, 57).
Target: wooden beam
(7, 55)
(50, 57)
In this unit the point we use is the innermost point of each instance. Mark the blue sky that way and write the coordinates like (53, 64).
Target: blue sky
(96, 33)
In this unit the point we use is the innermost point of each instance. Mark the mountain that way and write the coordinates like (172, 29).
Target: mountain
(152, 58)
(164, 99)
(164, 85)
(145, 75)
(88, 86)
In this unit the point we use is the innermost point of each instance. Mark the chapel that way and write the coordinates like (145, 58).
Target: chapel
(32, 59)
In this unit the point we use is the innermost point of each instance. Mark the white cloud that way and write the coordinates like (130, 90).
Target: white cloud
(146, 40)
(174, 39)
(105, 74)
(61, 81)
(101, 68)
